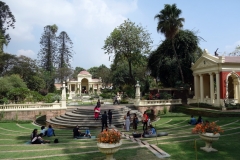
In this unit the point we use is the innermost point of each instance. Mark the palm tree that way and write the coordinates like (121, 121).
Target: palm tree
(169, 24)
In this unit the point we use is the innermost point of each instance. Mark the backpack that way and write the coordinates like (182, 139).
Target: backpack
(56, 140)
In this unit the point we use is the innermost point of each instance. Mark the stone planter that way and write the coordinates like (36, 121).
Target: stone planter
(109, 149)
(209, 138)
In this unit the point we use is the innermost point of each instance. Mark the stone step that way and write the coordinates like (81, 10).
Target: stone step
(83, 121)
(85, 117)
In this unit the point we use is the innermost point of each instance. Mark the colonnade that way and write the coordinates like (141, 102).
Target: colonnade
(204, 87)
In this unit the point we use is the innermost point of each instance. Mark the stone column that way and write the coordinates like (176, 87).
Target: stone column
(137, 94)
(195, 86)
(211, 88)
(238, 92)
(218, 88)
(63, 101)
(80, 89)
(201, 87)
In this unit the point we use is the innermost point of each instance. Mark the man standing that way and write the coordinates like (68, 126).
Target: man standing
(104, 120)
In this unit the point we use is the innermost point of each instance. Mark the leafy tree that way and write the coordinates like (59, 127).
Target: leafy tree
(7, 83)
(169, 24)
(48, 52)
(7, 62)
(3, 42)
(163, 64)
(18, 94)
(64, 56)
(128, 42)
(7, 21)
(104, 73)
(77, 71)
(93, 71)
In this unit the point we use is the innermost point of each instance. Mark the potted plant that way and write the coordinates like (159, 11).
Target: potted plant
(209, 132)
(109, 142)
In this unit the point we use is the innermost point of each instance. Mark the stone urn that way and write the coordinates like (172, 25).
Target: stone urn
(109, 149)
(209, 138)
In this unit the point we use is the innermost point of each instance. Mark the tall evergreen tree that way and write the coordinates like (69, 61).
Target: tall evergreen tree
(7, 20)
(48, 52)
(64, 56)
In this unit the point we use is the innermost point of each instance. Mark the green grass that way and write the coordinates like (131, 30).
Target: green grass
(180, 143)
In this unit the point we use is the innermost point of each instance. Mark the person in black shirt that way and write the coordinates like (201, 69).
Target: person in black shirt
(76, 132)
(110, 117)
(104, 120)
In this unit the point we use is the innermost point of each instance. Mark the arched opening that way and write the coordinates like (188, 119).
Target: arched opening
(230, 89)
(84, 84)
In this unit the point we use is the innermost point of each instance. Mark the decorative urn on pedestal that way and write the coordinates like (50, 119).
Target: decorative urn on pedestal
(209, 132)
(209, 138)
(109, 142)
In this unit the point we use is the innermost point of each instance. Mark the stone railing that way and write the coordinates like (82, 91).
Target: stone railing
(160, 102)
(35, 106)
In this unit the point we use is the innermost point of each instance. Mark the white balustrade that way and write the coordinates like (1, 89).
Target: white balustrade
(22, 107)
(160, 102)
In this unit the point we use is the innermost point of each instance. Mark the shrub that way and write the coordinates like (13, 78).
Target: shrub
(165, 110)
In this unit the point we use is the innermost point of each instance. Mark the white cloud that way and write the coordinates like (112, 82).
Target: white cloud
(88, 22)
(28, 53)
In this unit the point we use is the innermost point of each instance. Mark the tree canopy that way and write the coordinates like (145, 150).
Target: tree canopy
(169, 24)
(7, 21)
(163, 64)
(128, 42)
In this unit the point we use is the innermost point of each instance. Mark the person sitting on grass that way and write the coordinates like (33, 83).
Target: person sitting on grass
(41, 139)
(193, 121)
(152, 130)
(34, 137)
(43, 131)
(200, 120)
(87, 133)
(50, 131)
(76, 132)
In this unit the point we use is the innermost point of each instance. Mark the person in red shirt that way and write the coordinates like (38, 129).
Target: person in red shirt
(145, 120)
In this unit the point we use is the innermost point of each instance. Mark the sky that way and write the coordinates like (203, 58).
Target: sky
(89, 22)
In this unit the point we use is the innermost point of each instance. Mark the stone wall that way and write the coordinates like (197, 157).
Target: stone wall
(156, 109)
(31, 114)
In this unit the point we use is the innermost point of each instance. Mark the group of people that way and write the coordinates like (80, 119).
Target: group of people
(135, 121)
(107, 117)
(38, 138)
(77, 133)
(194, 121)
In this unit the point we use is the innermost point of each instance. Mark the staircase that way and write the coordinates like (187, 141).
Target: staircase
(84, 116)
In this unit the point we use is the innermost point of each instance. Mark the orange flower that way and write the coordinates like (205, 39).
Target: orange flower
(110, 136)
(207, 127)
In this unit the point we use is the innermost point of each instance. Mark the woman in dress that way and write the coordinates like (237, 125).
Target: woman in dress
(135, 121)
(96, 112)
(127, 121)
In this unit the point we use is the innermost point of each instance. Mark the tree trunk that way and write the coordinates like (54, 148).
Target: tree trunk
(130, 72)
(178, 62)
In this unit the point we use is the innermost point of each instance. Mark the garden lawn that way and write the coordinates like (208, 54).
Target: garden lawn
(181, 144)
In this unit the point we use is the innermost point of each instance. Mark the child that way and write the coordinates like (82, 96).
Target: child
(87, 133)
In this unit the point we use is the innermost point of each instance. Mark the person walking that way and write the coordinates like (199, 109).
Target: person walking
(145, 120)
(127, 121)
(96, 112)
(104, 120)
(110, 117)
(135, 122)
(98, 103)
